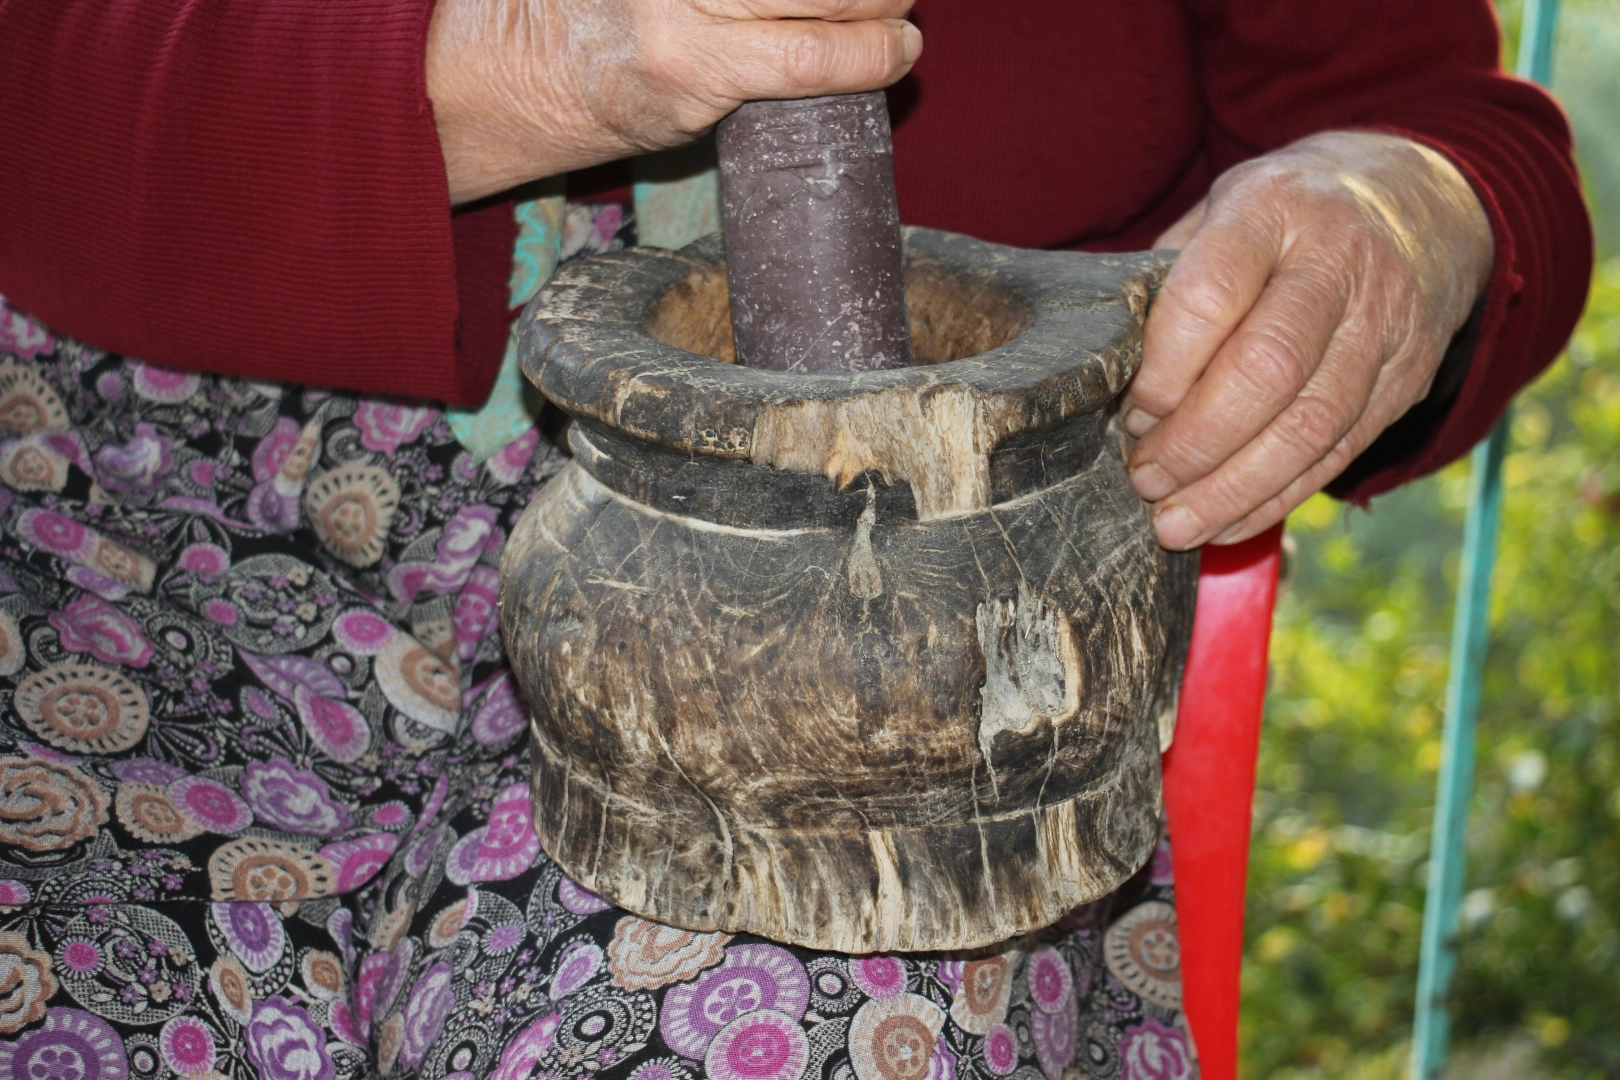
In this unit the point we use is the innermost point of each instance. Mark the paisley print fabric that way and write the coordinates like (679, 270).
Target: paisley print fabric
(263, 786)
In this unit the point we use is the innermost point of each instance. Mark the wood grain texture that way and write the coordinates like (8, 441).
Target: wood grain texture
(872, 661)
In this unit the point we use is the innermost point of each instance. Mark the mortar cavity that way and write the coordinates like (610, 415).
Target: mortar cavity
(953, 315)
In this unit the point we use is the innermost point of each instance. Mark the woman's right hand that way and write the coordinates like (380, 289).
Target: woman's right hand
(523, 89)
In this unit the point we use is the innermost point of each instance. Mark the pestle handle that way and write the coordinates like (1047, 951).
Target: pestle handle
(812, 235)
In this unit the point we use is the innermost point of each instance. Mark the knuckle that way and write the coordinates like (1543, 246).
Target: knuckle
(1156, 397)
(1186, 456)
(809, 58)
(1401, 281)
(1247, 178)
(1266, 191)
(1226, 498)
(1207, 293)
(861, 9)
(1336, 460)
(1272, 363)
(1339, 209)
(1316, 424)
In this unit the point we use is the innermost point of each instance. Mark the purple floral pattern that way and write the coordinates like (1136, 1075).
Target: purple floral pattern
(294, 799)
(1000, 1050)
(71, 1044)
(187, 1046)
(501, 849)
(879, 976)
(22, 336)
(282, 778)
(252, 932)
(1153, 1051)
(501, 716)
(284, 1043)
(1056, 1036)
(359, 860)
(763, 1045)
(384, 425)
(753, 976)
(137, 465)
(431, 1000)
(210, 804)
(91, 625)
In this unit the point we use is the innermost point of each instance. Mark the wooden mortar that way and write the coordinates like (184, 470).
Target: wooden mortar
(866, 661)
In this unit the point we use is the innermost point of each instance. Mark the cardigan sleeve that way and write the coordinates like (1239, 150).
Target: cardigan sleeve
(1273, 71)
(168, 158)
(256, 186)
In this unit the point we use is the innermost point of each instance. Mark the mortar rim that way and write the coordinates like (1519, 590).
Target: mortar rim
(1080, 347)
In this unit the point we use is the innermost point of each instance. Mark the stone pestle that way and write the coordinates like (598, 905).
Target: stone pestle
(812, 233)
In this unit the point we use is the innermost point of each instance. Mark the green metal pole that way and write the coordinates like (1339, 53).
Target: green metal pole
(1534, 61)
(1469, 637)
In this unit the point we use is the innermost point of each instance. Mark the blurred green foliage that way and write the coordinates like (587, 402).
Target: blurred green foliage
(1351, 747)
(1352, 738)
(1586, 78)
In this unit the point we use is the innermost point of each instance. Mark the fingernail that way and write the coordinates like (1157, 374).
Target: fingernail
(1152, 482)
(1139, 422)
(1178, 527)
(910, 43)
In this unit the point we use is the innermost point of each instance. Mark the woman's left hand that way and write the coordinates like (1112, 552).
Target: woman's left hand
(1316, 291)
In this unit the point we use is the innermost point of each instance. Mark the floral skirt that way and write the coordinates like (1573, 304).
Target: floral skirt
(263, 802)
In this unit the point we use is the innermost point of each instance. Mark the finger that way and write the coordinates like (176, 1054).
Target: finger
(1311, 432)
(1258, 371)
(1281, 505)
(1308, 483)
(1219, 275)
(1138, 421)
(792, 58)
(1399, 386)
(831, 10)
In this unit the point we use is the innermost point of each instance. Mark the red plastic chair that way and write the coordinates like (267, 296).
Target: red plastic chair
(1209, 784)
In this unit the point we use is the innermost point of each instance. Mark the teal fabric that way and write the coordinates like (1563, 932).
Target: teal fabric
(511, 408)
(677, 196)
(677, 200)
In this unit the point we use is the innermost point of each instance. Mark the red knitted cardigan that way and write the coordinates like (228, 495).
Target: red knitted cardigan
(256, 187)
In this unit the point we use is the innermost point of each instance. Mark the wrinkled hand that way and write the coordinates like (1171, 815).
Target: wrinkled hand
(523, 89)
(1315, 294)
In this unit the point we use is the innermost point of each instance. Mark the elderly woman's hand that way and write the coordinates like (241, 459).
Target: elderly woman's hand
(1315, 294)
(528, 88)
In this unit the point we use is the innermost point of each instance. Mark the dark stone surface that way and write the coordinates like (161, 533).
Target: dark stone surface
(813, 234)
